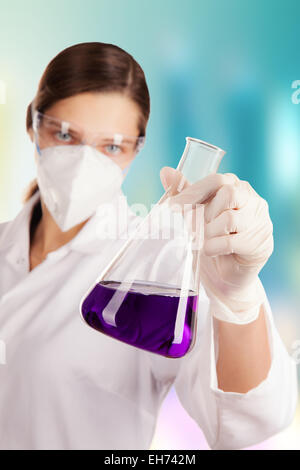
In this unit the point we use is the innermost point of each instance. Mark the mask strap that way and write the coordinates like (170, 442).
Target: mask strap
(126, 169)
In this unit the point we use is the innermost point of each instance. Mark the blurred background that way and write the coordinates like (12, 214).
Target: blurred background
(221, 71)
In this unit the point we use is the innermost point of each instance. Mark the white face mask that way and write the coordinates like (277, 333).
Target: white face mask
(74, 180)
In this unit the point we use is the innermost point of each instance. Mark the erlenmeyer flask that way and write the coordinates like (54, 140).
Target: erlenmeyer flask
(147, 295)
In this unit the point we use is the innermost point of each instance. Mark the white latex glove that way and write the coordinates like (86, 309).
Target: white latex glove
(238, 240)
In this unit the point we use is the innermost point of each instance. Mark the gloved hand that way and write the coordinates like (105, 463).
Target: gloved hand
(238, 240)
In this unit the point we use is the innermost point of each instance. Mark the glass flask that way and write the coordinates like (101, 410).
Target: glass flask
(147, 296)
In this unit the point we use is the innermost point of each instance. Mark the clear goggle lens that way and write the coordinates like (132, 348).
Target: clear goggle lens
(50, 131)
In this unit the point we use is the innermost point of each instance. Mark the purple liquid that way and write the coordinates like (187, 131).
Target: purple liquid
(146, 321)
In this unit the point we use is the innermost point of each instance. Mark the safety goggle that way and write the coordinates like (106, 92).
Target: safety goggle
(50, 131)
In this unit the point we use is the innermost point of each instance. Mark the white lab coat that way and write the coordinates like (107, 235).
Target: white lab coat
(67, 386)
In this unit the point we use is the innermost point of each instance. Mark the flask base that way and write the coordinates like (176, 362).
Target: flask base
(146, 317)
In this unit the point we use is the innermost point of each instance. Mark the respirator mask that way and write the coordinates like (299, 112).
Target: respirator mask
(76, 172)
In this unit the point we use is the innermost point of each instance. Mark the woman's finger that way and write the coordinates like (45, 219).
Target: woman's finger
(201, 191)
(229, 196)
(229, 221)
(228, 244)
(255, 244)
(171, 177)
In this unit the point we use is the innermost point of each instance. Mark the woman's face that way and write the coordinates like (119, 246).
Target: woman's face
(95, 114)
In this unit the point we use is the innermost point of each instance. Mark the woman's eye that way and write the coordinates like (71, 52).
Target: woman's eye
(114, 149)
(64, 137)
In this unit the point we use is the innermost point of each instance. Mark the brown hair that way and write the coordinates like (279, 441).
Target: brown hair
(94, 67)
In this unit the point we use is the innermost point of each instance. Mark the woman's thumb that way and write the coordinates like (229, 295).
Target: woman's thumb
(170, 176)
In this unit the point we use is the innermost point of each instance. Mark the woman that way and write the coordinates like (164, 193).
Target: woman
(65, 386)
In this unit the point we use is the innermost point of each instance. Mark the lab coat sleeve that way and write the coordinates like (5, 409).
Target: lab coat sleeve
(236, 420)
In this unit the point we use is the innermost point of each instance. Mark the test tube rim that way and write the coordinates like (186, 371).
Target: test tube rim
(206, 144)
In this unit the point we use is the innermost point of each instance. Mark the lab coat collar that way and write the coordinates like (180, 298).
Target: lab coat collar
(17, 230)
(14, 238)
